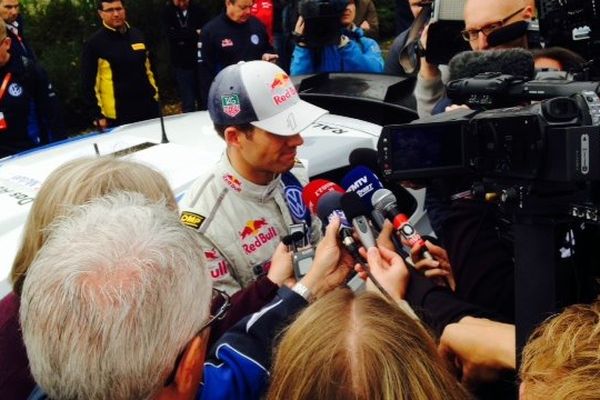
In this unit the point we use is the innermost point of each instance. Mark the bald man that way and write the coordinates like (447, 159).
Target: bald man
(481, 17)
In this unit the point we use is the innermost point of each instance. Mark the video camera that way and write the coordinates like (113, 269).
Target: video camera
(494, 90)
(443, 39)
(322, 22)
(556, 140)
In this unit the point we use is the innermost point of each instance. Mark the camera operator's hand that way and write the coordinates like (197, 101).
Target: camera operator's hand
(299, 28)
(281, 270)
(439, 267)
(427, 71)
(481, 349)
(453, 107)
(331, 264)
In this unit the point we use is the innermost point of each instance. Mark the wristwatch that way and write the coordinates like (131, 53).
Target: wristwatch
(302, 291)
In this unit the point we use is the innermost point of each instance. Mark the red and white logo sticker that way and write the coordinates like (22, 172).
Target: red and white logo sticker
(255, 234)
(216, 264)
(233, 182)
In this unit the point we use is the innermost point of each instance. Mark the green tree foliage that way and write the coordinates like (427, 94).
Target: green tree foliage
(57, 29)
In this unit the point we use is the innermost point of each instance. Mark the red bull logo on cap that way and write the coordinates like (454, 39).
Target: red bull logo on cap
(233, 182)
(280, 80)
(255, 234)
(282, 89)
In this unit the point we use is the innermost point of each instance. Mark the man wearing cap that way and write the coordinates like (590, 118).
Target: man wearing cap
(244, 206)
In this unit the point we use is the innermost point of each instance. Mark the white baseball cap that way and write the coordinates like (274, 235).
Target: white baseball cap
(262, 94)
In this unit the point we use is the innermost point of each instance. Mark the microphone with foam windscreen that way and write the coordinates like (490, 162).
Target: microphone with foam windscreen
(469, 64)
(384, 201)
(317, 188)
(483, 79)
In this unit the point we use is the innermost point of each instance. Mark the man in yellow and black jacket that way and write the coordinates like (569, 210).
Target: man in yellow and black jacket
(118, 83)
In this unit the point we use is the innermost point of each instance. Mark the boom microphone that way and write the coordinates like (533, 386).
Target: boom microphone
(385, 201)
(468, 64)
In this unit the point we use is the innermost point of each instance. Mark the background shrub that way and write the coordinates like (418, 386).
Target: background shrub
(57, 29)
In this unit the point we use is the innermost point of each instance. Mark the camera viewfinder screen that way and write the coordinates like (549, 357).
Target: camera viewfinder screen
(426, 147)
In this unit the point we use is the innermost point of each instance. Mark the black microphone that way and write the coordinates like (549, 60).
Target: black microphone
(385, 201)
(468, 64)
(369, 158)
(329, 206)
(355, 211)
(507, 33)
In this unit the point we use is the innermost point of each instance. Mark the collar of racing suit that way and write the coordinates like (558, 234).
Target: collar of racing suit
(229, 178)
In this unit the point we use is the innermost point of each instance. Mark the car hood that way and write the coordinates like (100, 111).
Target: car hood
(193, 147)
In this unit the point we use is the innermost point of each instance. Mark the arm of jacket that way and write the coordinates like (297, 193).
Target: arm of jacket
(373, 19)
(206, 66)
(352, 57)
(302, 61)
(247, 301)
(363, 57)
(89, 71)
(238, 366)
(47, 106)
(429, 91)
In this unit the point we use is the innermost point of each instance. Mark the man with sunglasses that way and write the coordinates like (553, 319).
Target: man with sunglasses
(116, 306)
(481, 18)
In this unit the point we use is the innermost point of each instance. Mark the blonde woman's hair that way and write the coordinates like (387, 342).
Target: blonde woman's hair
(77, 182)
(562, 357)
(347, 347)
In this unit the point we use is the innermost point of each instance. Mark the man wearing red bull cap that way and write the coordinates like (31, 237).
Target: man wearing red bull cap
(244, 205)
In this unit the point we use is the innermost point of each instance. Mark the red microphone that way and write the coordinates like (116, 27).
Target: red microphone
(313, 191)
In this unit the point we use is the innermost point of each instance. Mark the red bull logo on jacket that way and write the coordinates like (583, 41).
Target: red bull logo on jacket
(216, 264)
(255, 234)
(233, 182)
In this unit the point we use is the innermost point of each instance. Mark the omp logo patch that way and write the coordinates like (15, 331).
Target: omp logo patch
(191, 219)
(138, 46)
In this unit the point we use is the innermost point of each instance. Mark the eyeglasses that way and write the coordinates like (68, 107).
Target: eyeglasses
(217, 296)
(113, 10)
(473, 34)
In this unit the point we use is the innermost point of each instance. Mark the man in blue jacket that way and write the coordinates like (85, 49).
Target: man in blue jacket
(352, 52)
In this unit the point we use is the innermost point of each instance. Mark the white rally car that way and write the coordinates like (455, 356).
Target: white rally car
(193, 146)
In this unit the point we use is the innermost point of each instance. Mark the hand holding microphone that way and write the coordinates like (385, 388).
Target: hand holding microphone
(437, 267)
(388, 268)
(385, 201)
